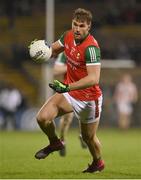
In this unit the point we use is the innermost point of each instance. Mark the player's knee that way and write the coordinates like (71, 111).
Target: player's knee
(42, 118)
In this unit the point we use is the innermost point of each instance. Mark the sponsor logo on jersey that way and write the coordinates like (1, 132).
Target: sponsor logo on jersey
(78, 55)
(73, 64)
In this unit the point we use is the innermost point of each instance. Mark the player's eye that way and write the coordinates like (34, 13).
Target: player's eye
(75, 24)
(82, 25)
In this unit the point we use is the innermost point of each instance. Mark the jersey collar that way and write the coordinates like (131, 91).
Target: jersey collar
(79, 42)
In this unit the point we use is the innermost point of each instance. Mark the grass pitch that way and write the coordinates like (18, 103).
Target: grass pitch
(121, 152)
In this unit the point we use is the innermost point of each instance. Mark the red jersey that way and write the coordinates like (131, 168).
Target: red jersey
(77, 60)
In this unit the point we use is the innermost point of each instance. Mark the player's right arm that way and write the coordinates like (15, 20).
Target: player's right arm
(58, 46)
(40, 50)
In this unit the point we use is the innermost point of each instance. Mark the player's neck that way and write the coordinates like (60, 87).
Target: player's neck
(79, 41)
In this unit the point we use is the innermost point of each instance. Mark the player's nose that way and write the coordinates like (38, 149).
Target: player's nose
(77, 29)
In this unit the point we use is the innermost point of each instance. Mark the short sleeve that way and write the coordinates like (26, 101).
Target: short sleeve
(92, 55)
(61, 39)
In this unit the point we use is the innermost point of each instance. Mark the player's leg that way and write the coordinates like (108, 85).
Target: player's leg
(89, 116)
(82, 142)
(89, 136)
(64, 125)
(56, 106)
(93, 143)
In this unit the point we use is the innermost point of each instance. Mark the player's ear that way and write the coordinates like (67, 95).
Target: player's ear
(89, 26)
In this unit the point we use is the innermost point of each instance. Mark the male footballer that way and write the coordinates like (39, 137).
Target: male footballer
(79, 93)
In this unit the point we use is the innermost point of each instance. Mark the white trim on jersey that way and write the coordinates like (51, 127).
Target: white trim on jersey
(92, 54)
(59, 63)
(74, 43)
(60, 43)
(89, 64)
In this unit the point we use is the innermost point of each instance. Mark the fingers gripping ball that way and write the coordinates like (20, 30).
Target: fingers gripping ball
(40, 51)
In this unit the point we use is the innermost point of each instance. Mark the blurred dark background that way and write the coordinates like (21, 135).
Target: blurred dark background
(116, 26)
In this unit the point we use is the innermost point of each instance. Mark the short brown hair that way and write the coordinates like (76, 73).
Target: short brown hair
(82, 15)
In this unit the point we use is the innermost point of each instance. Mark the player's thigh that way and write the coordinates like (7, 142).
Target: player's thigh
(55, 106)
(88, 130)
(68, 117)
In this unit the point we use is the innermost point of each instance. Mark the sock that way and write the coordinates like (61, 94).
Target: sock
(53, 139)
(96, 160)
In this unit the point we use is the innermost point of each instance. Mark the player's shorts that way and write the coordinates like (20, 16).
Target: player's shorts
(85, 111)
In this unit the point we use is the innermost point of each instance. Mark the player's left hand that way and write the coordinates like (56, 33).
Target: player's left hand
(59, 86)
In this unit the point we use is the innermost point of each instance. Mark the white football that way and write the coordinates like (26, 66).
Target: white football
(40, 51)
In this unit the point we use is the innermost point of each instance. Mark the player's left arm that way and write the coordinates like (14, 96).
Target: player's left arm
(93, 65)
(91, 79)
